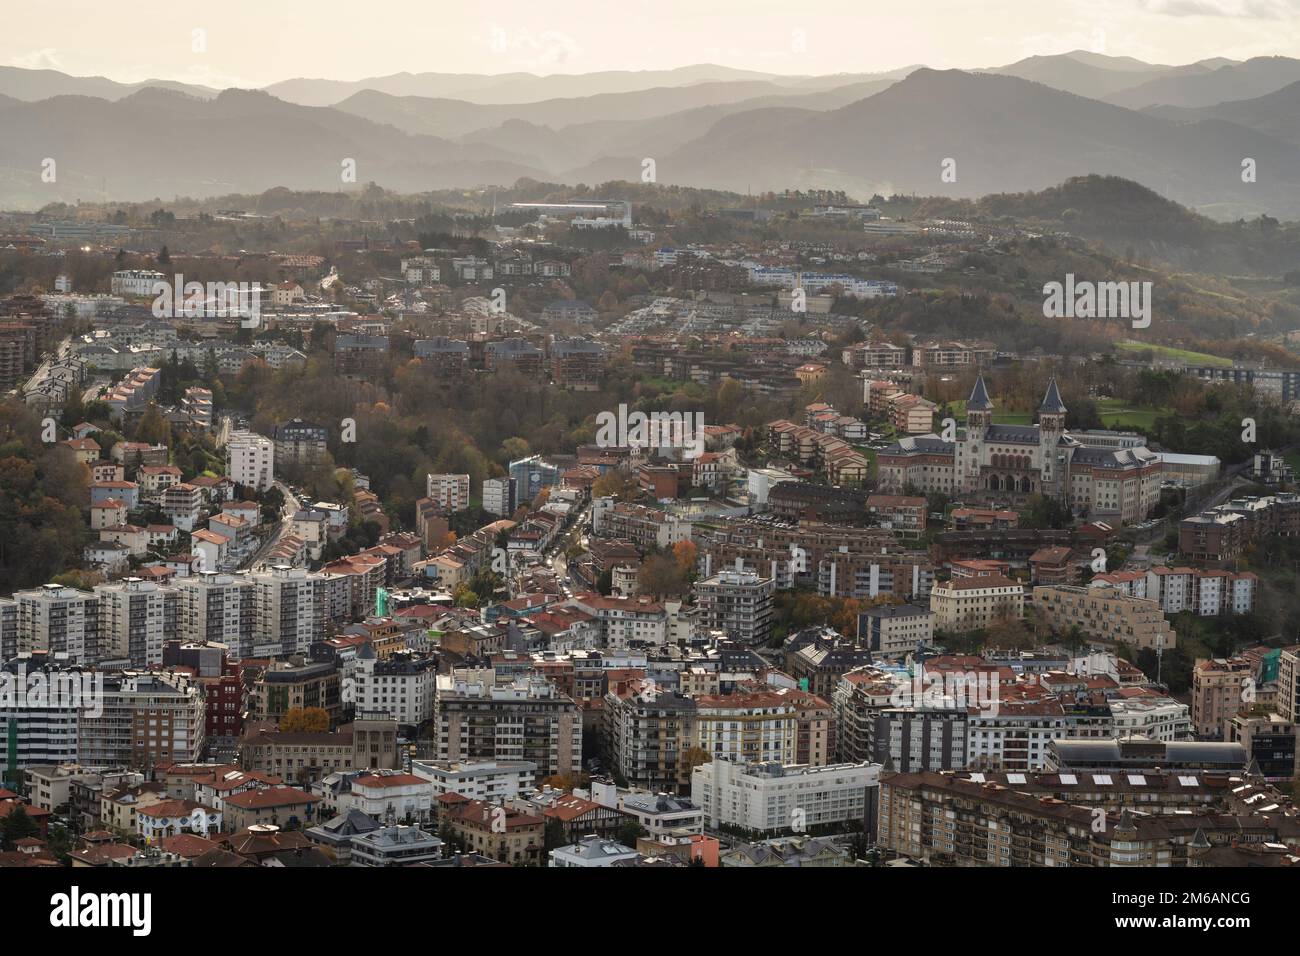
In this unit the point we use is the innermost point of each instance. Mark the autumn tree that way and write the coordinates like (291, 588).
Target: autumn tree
(662, 576)
(305, 720)
(693, 757)
(685, 553)
(614, 484)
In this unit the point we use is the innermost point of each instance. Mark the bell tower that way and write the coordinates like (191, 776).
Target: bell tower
(970, 451)
(1051, 429)
(979, 411)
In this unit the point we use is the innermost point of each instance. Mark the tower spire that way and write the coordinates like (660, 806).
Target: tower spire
(979, 397)
(1052, 400)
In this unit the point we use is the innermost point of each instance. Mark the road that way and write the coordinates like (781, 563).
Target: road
(555, 555)
(47, 360)
(1198, 500)
(287, 511)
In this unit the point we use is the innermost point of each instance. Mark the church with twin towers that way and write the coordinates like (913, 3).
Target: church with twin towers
(1103, 475)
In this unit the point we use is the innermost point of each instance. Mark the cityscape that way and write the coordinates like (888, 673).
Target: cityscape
(552, 457)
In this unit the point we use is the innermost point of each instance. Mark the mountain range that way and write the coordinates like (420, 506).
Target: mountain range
(1183, 131)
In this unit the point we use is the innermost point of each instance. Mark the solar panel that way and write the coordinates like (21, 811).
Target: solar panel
(1015, 778)
(1068, 779)
(1187, 781)
(1101, 779)
(1137, 780)
(977, 778)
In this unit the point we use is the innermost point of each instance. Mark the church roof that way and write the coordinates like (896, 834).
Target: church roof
(1052, 400)
(979, 397)
(1017, 434)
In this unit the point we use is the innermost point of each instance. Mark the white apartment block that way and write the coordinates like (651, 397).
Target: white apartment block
(1159, 718)
(497, 495)
(41, 735)
(1014, 735)
(420, 270)
(220, 608)
(135, 282)
(1204, 592)
(747, 728)
(624, 621)
(401, 686)
(250, 460)
(60, 620)
(292, 611)
(769, 797)
(135, 618)
(449, 492)
(409, 797)
(495, 781)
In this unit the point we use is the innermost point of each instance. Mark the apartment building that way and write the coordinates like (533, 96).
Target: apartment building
(291, 611)
(645, 527)
(500, 496)
(496, 781)
(514, 353)
(135, 618)
(758, 726)
(61, 620)
(499, 833)
(1206, 592)
(1105, 614)
(369, 742)
(911, 414)
(738, 603)
(250, 460)
(952, 820)
(646, 733)
(1270, 742)
(442, 354)
(952, 354)
(896, 630)
(822, 662)
(376, 792)
(961, 605)
(525, 720)
(36, 736)
(300, 443)
(769, 798)
(147, 719)
(401, 685)
(836, 560)
(1222, 533)
(903, 515)
(624, 622)
(1221, 688)
(1155, 717)
(448, 492)
(284, 687)
(577, 364)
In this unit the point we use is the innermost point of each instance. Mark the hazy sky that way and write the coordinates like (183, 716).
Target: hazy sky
(255, 43)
